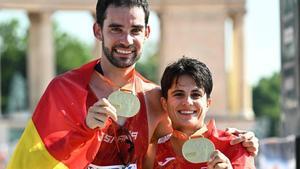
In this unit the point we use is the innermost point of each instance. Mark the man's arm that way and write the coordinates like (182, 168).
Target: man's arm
(163, 128)
(247, 138)
(150, 156)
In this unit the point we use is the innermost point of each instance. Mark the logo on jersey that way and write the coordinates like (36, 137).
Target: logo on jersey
(109, 138)
(167, 160)
(131, 166)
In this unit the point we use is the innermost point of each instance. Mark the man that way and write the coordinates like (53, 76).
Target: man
(186, 87)
(75, 126)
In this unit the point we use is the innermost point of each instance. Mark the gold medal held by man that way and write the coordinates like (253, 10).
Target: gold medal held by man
(126, 104)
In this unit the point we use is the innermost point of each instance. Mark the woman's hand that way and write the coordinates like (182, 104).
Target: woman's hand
(218, 161)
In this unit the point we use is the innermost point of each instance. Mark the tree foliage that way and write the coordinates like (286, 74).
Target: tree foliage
(266, 101)
(69, 52)
(12, 53)
(148, 68)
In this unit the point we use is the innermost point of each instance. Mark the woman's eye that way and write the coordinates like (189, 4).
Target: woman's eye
(196, 95)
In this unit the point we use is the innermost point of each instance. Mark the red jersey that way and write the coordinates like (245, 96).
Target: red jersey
(240, 159)
(138, 129)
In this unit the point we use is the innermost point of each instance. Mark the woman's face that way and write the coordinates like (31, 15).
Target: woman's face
(186, 104)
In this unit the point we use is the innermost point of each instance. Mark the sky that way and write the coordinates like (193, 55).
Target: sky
(261, 27)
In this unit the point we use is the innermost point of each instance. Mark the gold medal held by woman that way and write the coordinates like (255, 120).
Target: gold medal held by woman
(197, 150)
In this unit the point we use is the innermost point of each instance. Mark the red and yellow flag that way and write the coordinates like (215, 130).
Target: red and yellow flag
(56, 136)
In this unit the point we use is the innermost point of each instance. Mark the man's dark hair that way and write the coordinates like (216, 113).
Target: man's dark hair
(102, 6)
(187, 66)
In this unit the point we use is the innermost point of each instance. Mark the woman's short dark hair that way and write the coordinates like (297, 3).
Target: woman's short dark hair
(187, 66)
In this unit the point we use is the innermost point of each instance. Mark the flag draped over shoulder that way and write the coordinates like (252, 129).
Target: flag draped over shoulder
(56, 136)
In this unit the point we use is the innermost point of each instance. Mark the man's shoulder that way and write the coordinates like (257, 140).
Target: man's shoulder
(151, 90)
(68, 81)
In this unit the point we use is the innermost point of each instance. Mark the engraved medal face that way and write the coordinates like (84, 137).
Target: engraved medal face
(127, 104)
(197, 150)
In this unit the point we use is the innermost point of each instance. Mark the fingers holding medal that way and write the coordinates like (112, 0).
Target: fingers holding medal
(99, 113)
(218, 161)
(119, 103)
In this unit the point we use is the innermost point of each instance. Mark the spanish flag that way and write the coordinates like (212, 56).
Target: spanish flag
(56, 136)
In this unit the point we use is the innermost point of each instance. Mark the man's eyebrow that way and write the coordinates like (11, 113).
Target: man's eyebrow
(138, 26)
(113, 25)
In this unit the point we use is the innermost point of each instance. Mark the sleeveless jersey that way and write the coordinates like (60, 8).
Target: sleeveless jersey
(166, 158)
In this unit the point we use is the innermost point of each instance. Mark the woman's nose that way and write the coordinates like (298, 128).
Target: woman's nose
(188, 101)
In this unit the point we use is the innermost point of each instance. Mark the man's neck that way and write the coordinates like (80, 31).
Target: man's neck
(119, 76)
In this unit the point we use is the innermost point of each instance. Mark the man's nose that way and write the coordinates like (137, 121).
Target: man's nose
(127, 39)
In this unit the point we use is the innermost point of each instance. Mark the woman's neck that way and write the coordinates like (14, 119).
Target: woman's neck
(179, 137)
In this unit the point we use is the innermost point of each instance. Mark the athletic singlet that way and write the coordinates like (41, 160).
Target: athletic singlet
(137, 127)
(166, 157)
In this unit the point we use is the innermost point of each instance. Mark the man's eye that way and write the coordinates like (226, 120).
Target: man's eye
(136, 31)
(116, 30)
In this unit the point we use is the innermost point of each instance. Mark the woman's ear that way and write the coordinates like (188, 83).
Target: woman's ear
(163, 103)
(209, 102)
(97, 31)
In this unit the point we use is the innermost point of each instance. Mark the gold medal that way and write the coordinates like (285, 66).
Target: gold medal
(197, 150)
(127, 104)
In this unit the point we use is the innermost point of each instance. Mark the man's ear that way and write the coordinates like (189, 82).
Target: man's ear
(147, 32)
(163, 103)
(97, 31)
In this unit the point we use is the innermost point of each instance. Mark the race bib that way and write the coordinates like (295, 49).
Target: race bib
(131, 166)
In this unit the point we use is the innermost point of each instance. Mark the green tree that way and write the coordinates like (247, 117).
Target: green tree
(148, 68)
(70, 52)
(266, 102)
(12, 53)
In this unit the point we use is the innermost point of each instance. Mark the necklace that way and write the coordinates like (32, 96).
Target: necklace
(125, 101)
(183, 136)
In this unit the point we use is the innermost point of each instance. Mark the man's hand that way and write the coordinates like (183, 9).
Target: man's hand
(99, 113)
(247, 138)
(218, 161)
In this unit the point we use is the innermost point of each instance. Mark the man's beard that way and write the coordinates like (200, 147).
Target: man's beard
(118, 62)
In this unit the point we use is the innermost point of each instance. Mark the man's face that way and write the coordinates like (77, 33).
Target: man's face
(186, 104)
(123, 35)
